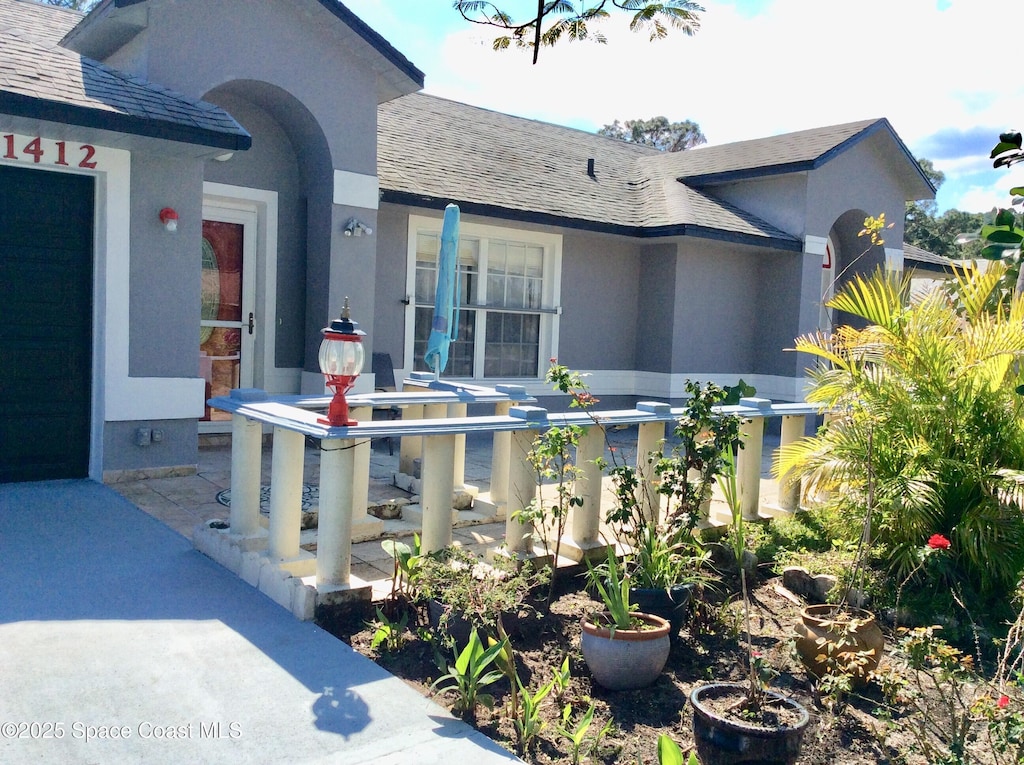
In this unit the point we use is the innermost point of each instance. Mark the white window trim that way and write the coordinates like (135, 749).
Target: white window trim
(552, 300)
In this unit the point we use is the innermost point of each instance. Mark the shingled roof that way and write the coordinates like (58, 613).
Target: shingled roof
(432, 151)
(792, 152)
(40, 80)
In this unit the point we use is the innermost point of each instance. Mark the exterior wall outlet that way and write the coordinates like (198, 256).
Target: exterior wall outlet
(143, 437)
(158, 435)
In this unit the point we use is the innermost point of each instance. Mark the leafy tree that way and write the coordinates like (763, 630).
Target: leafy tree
(1001, 237)
(657, 132)
(938, 233)
(555, 19)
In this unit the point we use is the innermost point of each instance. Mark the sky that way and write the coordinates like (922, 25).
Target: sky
(943, 73)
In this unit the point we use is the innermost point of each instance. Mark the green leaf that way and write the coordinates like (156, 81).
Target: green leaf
(1002, 236)
(1000, 149)
(669, 752)
(1017, 191)
(1005, 218)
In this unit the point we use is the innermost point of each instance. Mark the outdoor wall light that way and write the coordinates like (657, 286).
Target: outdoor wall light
(341, 361)
(169, 218)
(357, 228)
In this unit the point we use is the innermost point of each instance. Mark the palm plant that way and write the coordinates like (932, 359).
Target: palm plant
(925, 402)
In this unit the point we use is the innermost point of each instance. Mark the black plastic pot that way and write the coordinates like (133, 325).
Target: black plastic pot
(671, 604)
(729, 741)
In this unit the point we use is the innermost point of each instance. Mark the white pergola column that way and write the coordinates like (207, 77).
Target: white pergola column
(410, 448)
(334, 528)
(501, 451)
(748, 461)
(364, 525)
(585, 531)
(649, 438)
(246, 455)
(459, 411)
(285, 495)
(793, 428)
(522, 488)
(436, 494)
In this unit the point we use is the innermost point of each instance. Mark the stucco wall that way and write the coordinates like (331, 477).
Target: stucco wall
(272, 164)
(600, 301)
(864, 178)
(779, 199)
(164, 274)
(655, 323)
(390, 288)
(716, 308)
(195, 47)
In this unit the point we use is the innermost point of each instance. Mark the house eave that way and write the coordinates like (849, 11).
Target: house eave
(18, 105)
(547, 219)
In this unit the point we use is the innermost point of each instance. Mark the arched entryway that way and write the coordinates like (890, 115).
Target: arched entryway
(266, 224)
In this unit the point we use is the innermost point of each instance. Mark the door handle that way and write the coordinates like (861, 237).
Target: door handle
(252, 323)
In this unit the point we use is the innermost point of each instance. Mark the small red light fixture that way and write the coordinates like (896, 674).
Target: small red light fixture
(341, 360)
(169, 218)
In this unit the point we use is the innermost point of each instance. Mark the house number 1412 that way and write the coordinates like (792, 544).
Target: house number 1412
(82, 153)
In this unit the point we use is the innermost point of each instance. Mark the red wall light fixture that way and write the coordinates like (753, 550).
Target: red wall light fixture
(169, 219)
(341, 360)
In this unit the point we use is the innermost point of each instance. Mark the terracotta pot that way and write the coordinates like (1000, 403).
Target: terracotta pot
(727, 741)
(623, 660)
(849, 638)
(672, 603)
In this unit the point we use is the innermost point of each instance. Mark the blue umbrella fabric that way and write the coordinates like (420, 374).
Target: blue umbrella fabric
(445, 325)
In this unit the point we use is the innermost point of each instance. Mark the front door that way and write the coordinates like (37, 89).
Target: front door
(228, 321)
(46, 298)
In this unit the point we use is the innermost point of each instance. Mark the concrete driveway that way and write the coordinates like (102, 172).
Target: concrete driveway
(119, 643)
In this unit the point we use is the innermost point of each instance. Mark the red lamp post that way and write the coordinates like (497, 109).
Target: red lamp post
(341, 361)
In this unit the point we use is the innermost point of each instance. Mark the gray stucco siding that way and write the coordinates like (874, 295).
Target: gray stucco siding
(178, 447)
(655, 326)
(779, 199)
(716, 313)
(392, 236)
(188, 55)
(779, 310)
(272, 164)
(863, 178)
(164, 291)
(600, 302)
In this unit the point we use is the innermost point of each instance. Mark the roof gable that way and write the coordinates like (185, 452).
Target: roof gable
(111, 24)
(799, 151)
(39, 80)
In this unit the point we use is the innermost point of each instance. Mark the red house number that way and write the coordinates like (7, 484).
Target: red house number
(83, 153)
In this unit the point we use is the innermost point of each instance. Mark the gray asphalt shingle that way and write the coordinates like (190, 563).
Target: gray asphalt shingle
(34, 66)
(434, 149)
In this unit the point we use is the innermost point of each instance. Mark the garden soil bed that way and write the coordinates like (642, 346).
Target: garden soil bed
(709, 648)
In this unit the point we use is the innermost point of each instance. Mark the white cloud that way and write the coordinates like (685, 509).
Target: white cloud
(802, 63)
(795, 65)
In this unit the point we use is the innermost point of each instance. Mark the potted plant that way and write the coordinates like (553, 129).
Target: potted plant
(744, 722)
(462, 592)
(667, 562)
(623, 648)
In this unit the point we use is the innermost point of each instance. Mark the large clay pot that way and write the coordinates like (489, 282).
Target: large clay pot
(672, 603)
(848, 638)
(724, 740)
(623, 660)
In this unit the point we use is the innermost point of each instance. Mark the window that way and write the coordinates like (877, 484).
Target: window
(507, 318)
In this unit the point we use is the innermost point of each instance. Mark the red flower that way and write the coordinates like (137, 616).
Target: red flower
(1004, 701)
(938, 542)
(553, 359)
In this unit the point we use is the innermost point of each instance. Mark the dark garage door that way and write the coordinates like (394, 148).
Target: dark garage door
(46, 277)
